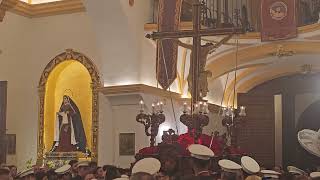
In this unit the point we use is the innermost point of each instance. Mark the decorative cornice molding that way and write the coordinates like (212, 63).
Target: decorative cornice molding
(6, 5)
(45, 9)
(142, 88)
(136, 89)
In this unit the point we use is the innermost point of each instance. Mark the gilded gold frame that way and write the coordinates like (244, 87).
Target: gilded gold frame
(69, 54)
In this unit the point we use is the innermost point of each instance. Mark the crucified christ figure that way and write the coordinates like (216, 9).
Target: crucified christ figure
(204, 74)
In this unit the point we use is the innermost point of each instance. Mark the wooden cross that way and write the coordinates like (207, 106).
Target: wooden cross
(196, 34)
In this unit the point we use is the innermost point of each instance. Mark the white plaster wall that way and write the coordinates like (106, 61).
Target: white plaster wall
(28, 45)
(106, 139)
(124, 110)
(119, 32)
(22, 101)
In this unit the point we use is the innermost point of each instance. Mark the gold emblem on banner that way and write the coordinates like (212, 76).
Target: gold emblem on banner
(278, 10)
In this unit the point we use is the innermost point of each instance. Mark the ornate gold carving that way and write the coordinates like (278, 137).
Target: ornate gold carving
(69, 54)
(5, 6)
(282, 52)
(47, 9)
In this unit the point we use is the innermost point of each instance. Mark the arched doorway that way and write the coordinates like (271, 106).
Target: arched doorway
(74, 75)
(309, 119)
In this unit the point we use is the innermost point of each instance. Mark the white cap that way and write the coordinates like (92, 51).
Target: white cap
(147, 165)
(25, 173)
(63, 169)
(249, 165)
(82, 163)
(200, 151)
(310, 141)
(315, 174)
(229, 166)
(295, 170)
(270, 174)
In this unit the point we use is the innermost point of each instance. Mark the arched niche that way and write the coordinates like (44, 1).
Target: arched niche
(67, 68)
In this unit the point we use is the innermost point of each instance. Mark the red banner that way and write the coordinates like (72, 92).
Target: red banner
(167, 49)
(278, 20)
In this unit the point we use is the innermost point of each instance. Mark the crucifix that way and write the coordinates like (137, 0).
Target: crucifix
(196, 33)
(195, 121)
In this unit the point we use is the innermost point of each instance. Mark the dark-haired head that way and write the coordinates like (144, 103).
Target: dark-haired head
(111, 172)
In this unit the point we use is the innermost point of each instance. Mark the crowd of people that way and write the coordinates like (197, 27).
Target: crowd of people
(74, 170)
(153, 169)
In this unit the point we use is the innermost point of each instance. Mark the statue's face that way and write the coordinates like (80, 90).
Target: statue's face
(65, 100)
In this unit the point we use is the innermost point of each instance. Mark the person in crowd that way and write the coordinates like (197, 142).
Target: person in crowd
(230, 170)
(13, 171)
(93, 166)
(41, 175)
(27, 175)
(64, 172)
(73, 164)
(168, 156)
(142, 176)
(146, 169)
(89, 177)
(250, 168)
(52, 175)
(110, 172)
(4, 173)
(99, 173)
(201, 156)
(83, 169)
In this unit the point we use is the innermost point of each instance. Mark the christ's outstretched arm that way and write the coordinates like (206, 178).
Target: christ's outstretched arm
(188, 46)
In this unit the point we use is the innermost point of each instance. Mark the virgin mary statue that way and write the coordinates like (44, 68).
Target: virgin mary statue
(69, 133)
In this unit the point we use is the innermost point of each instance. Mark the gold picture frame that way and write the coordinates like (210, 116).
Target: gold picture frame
(68, 55)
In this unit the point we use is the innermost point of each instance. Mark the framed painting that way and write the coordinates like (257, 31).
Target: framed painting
(11, 144)
(126, 144)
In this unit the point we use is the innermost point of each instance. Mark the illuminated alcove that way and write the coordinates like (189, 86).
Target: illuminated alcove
(71, 78)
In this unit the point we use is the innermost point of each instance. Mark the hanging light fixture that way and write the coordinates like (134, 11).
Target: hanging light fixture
(233, 116)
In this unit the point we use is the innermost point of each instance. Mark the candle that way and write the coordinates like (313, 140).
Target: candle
(201, 107)
(196, 108)
(224, 112)
(153, 108)
(185, 107)
(242, 111)
(205, 107)
(141, 105)
(158, 106)
(161, 106)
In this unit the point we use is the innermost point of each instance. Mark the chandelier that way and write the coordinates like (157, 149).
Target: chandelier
(232, 117)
